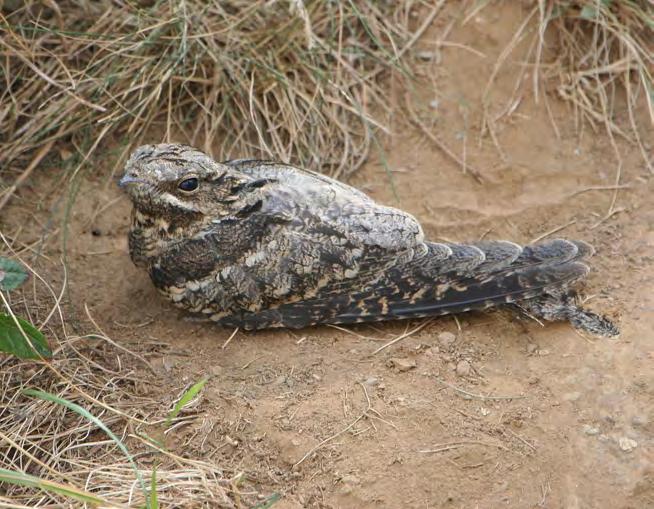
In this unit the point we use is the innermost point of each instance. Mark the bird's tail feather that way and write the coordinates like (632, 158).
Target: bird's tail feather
(470, 277)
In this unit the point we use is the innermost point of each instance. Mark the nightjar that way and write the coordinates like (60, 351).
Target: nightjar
(258, 244)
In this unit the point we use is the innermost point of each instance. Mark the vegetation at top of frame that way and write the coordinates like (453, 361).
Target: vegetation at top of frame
(604, 45)
(291, 79)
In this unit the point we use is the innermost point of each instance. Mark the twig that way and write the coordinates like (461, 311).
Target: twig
(552, 231)
(401, 337)
(229, 339)
(476, 396)
(455, 445)
(532, 447)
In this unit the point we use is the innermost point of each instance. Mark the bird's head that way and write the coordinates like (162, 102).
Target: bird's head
(181, 185)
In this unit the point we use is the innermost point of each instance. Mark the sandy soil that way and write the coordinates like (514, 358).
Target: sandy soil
(486, 411)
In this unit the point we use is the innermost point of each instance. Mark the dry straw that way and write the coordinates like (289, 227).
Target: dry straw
(293, 80)
(599, 56)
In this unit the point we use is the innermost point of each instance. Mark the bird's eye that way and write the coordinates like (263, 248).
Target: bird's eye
(189, 184)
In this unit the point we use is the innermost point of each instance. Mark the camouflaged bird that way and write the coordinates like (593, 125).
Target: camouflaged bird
(258, 244)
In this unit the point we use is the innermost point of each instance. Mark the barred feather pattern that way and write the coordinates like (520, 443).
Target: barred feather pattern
(261, 244)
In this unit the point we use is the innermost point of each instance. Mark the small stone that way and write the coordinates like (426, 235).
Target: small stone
(590, 430)
(401, 364)
(627, 444)
(371, 381)
(463, 368)
(484, 411)
(96, 232)
(572, 396)
(446, 338)
(532, 348)
(316, 377)
(426, 55)
(434, 104)
(543, 353)
(231, 441)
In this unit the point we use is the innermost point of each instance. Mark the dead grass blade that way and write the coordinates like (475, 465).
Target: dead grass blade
(296, 81)
(598, 56)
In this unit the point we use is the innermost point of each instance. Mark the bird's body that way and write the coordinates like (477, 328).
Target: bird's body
(259, 244)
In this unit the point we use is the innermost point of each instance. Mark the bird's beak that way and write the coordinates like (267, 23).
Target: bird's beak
(129, 179)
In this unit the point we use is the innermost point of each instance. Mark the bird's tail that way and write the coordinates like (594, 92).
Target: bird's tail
(475, 276)
(453, 278)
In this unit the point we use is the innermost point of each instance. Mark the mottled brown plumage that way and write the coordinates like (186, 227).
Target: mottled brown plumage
(260, 244)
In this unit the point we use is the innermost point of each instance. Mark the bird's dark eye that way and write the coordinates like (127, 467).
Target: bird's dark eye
(189, 184)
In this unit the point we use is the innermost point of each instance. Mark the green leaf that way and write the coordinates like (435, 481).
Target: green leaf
(90, 417)
(184, 400)
(12, 274)
(21, 479)
(13, 341)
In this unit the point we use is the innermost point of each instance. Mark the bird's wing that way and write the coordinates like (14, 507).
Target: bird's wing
(336, 256)
(314, 233)
(432, 286)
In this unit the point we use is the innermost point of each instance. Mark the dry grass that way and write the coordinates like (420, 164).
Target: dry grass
(290, 79)
(49, 441)
(599, 56)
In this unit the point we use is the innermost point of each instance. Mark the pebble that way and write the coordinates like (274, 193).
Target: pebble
(627, 444)
(446, 338)
(402, 364)
(371, 381)
(434, 104)
(572, 396)
(590, 430)
(426, 55)
(231, 441)
(532, 347)
(463, 368)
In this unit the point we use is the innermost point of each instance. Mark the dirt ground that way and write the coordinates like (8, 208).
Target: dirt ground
(489, 410)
